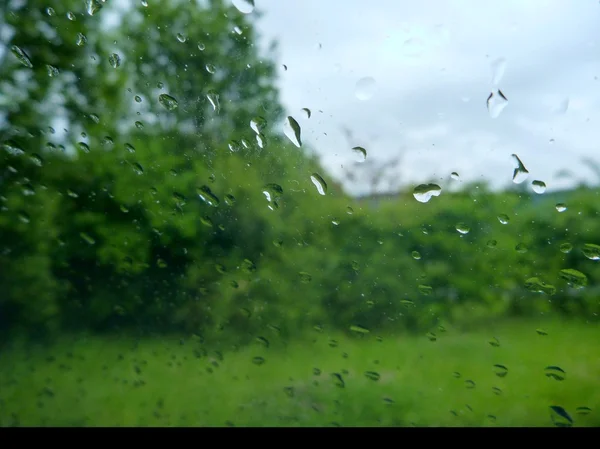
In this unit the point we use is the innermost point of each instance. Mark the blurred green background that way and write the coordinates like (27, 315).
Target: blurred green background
(147, 279)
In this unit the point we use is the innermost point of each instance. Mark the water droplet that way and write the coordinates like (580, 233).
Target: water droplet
(210, 68)
(21, 56)
(424, 192)
(536, 285)
(566, 248)
(71, 16)
(50, 11)
(407, 303)
(469, 384)
(562, 107)
(574, 278)
(258, 360)
(416, 255)
(234, 146)
(338, 380)
(538, 186)
(319, 183)
(24, 217)
(87, 238)
(52, 71)
(83, 147)
(93, 6)
(372, 375)
(431, 336)
(496, 102)
(181, 38)
(207, 196)
(229, 200)
(349, 210)
(520, 173)
(81, 39)
(213, 98)
(560, 417)
(244, 6)
(497, 391)
(541, 332)
(425, 289)
(304, 277)
(555, 372)
(168, 102)
(201, 47)
(561, 207)
(591, 251)
(137, 168)
(36, 159)
(500, 370)
(360, 154)
(456, 374)
(114, 60)
(583, 410)
(307, 112)
(238, 30)
(261, 140)
(503, 218)
(521, 248)
(139, 125)
(359, 329)
(494, 342)
(291, 129)
(258, 124)
(498, 68)
(272, 192)
(463, 228)
(365, 88)
(129, 148)
(455, 176)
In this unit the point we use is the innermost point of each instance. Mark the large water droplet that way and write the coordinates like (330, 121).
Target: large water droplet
(360, 154)
(207, 196)
(21, 56)
(498, 68)
(213, 98)
(244, 6)
(291, 129)
(114, 60)
(463, 228)
(591, 251)
(496, 102)
(365, 88)
(561, 207)
(307, 112)
(520, 173)
(538, 186)
(503, 218)
(560, 417)
(138, 168)
(93, 6)
(455, 176)
(424, 192)
(574, 278)
(319, 183)
(566, 248)
(52, 71)
(169, 102)
(81, 40)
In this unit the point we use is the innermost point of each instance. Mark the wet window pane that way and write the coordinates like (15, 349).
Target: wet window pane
(272, 213)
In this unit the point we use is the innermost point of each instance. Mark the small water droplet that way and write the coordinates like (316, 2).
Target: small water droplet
(50, 11)
(520, 173)
(114, 60)
(555, 372)
(210, 68)
(258, 124)
(139, 125)
(365, 88)
(463, 228)
(307, 112)
(560, 417)
(372, 375)
(503, 218)
(181, 38)
(258, 360)
(213, 98)
(431, 336)
(83, 147)
(81, 39)
(455, 176)
(574, 278)
(491, 243)
(206, 195)
(360, 154)
(304, 277)
(500, 370)
(338, 380)
(319, 183)
(536, 285)
(71, 16)
(24, 217)
(425, 290)
(93, 6)
(424, 192)
(496, 102)
(349, 210)
(359, 329)
(129, 148)
(566, 248)
(52, 71)
(292, 130)
(21, 56)
(498, 68)
(469, 384)
(238, 30)
(561, 207)
(168, 102)
(521, 248)
(272, 192)
(244, 6)
(583, 410)
(87, 238)
(416, 255)
(538, 186)
(201, 47)
(541, 332)
(591, 251)
(137, 168)
(494, 342)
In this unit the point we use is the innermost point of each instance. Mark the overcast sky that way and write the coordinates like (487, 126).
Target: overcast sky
(432, 62)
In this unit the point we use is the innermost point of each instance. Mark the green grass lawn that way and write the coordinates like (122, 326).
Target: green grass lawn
(447, 382)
